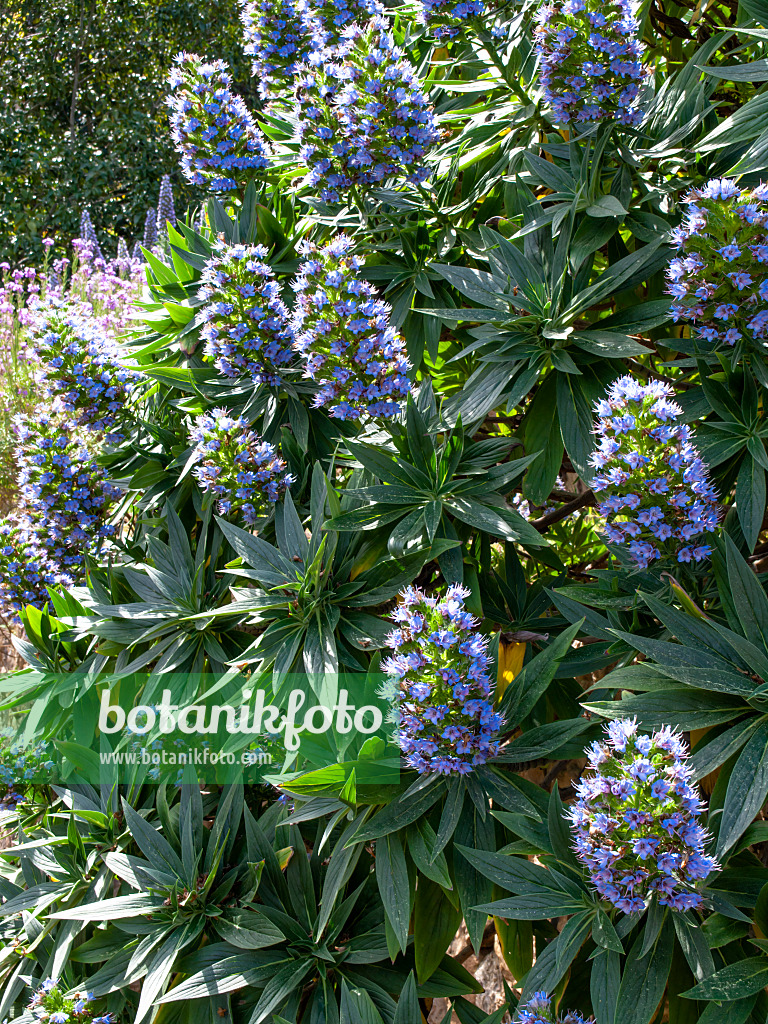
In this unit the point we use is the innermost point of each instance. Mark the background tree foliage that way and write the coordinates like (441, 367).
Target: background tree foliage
(82, 115)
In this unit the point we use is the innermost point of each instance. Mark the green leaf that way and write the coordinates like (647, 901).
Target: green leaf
(534, 679)
(473, 886)
(736, 981)
(117, 909)
(747, 790)
(606, 206)
(394, 889)
(576, 423)
(404, 810)
(645, 978)
(750, 499)
(408, 1011)
(435, 922)
(279, 987)
(500, 522)
(749, 598)
(604, 981)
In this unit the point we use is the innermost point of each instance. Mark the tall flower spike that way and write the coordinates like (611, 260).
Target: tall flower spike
(446, 19)
(590, 61)
(344, 334)
(78, 366)
(246, 322)
(64, 490)
(720, 280)
(245, 472)
(276, 38)
(166, 214)
(539, 1010)
(440, 684)
(363, 118)
(88, 234)
(26, 566)
(327, 20)
(635, 820)
(655, 493)
(214, 132)
(149, 241)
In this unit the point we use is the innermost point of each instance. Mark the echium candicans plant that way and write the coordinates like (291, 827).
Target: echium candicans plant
(27, 568)
(51, 1004)
(326, 20)
(635, 820)
(720, 279)
(439, 684)
(246, 473)
(216, 136)
(539, 1010)
(88, 234)
(78, 365)
(591, 61)
(246, 329)
(446, 19)
(363, 116)
(166, 214)
(276, 37)
(655, 494)
(149, 238)
(63, 489)
(344, 334)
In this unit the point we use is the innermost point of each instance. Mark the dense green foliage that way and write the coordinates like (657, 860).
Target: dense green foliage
(528, 271)
(82, 116)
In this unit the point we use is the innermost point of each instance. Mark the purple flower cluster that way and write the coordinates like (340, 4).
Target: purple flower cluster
(344, 334)
(88, 235)
(720, 280)
(51, 1006)
(219, 142)
(440, 684)
(166, 213)
(657, 498)
(63, 489)
(327, 20)
(447, 18)
(245, 472)
(26, 567)
(635, 820)
(277, 37)
(247, 327)
(363, 118)
(149, 239)
(78, 366)
(539, 1010)
(590, 61)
